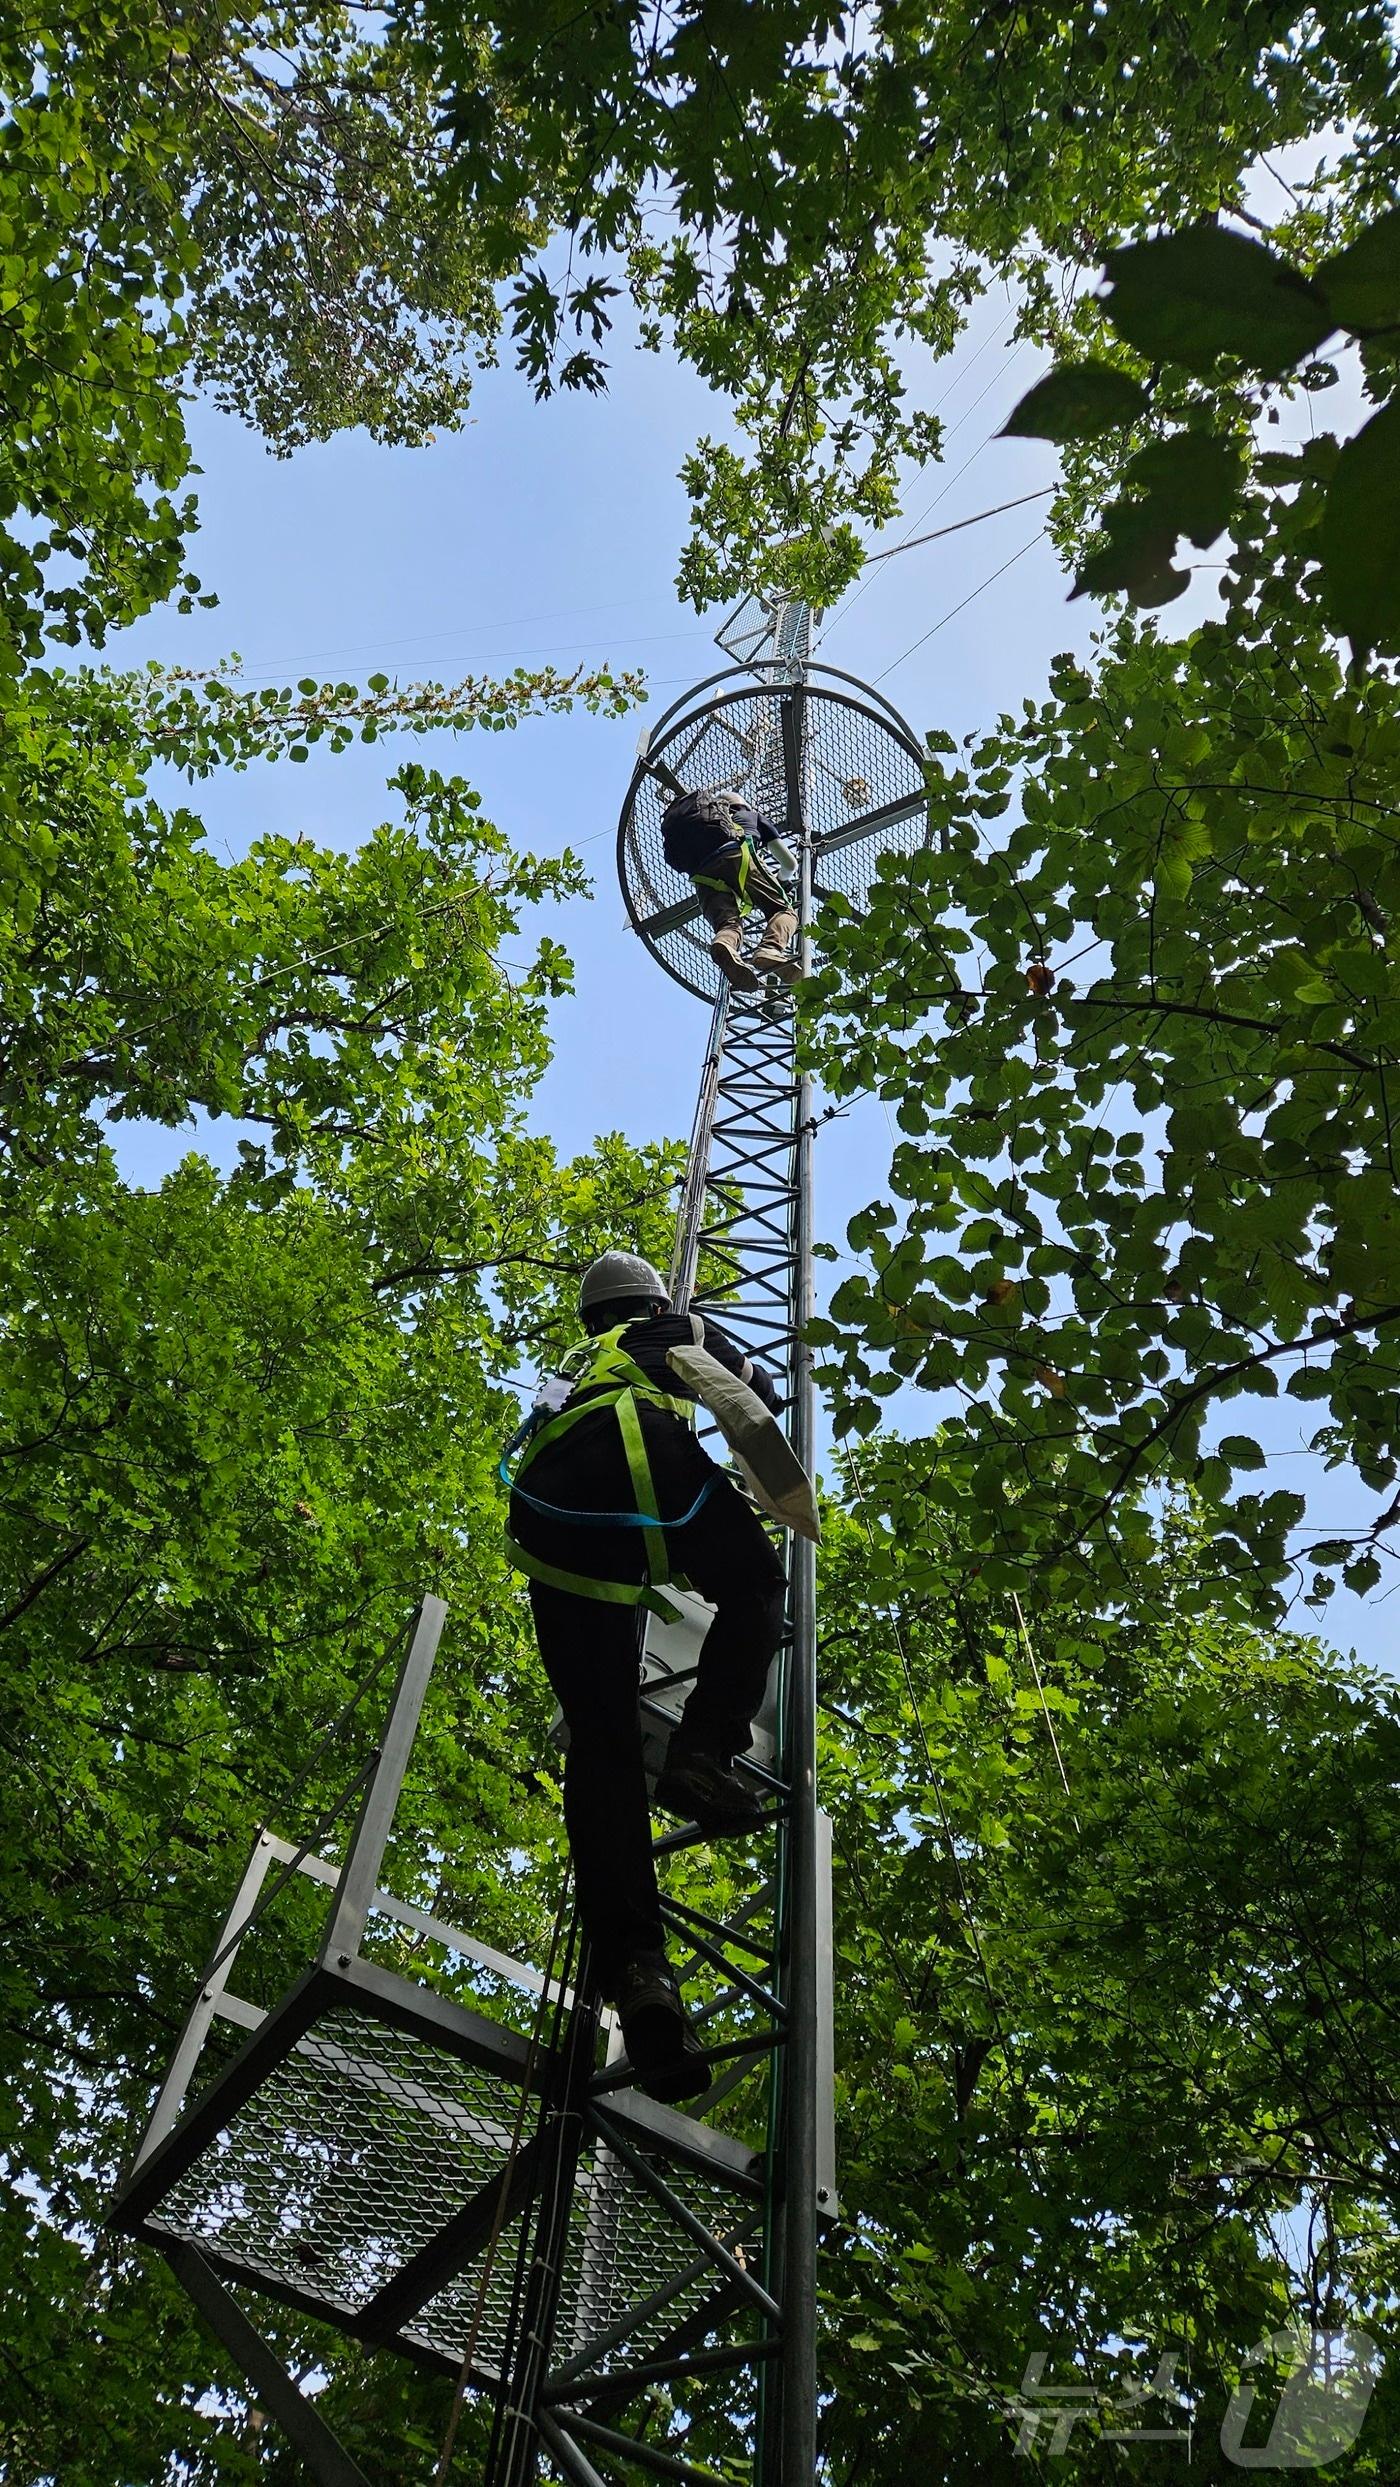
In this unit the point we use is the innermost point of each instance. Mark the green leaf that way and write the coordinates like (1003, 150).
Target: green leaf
(1077, 401)
(1191, 482)
(1361, 285)
(1360, 537)
(1194, 297)
(1137, 559)
(1241, 1452)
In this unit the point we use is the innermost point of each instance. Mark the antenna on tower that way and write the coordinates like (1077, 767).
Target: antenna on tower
(768, 631)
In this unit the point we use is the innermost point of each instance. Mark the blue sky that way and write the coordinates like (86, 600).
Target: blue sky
(549, 535)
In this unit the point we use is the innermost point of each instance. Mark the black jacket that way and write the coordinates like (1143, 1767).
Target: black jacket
(649, 1344)
(586, 1469)
(697, 828)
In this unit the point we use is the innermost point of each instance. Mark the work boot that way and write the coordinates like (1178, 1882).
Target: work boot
(784, 964)
(708, 1792)
(775, 955)
(664, 2051)
(724, 950)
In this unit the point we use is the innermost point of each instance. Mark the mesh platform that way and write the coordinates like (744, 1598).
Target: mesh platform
(365, 2140)
(860, 780)
(345, 2162)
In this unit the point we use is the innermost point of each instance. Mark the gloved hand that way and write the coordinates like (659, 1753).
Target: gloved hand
(777, 853)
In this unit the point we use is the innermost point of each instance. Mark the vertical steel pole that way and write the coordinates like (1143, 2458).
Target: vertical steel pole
(748, 1196)
(800, 2063)
(359, 1878)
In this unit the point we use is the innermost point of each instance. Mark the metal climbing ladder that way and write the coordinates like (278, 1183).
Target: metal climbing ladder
(462, 2170)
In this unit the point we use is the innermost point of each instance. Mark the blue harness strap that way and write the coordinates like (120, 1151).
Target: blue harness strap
(607, 1519)
(611, 1380)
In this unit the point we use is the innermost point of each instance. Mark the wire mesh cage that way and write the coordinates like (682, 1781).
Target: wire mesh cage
(822, 747)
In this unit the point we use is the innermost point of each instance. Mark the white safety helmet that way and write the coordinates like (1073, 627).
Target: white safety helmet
(618, 1274)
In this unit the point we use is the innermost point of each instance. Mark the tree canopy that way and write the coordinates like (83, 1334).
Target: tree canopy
(1106, 1875)
(1140, 1047)
(1116, 1863)
(327, 219)
(249, 1417)
(801, 202)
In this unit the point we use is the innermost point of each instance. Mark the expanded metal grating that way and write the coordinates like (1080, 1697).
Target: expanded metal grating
(345, 2161)
(624, 2251)
(774, 632)
(860, 787)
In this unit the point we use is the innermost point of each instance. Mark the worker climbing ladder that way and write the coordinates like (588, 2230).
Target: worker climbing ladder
(486, 2190)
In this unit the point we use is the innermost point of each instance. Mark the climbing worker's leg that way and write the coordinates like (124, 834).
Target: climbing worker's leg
(721, 912)
(589, 1652)
(727, 1554)
(774, 955)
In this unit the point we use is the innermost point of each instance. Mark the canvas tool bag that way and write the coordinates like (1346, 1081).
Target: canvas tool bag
(771, 1468)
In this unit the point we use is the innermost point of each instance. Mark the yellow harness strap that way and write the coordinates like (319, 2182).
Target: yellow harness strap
(737, 888)
(611, 1379)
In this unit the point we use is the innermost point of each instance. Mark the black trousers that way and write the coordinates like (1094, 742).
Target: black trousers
(763, 890)
(591, 1655)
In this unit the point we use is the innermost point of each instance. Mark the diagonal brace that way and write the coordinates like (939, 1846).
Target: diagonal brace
(324, 2454)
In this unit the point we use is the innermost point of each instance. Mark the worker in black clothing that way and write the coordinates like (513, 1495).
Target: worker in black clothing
(614, 1496)
(714, 835)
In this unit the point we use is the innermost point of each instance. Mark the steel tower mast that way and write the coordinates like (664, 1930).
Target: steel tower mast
(837, 771)
(413, 2162)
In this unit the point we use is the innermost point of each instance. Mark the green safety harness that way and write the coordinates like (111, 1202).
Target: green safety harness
(739, 887)
(607, 1378)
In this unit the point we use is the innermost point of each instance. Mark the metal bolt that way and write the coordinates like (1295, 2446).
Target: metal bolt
(823, 2193)
(342, 1960)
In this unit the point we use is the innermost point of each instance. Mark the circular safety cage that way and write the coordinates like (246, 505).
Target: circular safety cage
(822, 751)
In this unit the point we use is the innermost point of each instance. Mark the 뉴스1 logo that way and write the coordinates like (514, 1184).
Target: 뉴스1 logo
(1328, 2381)
(1324, 2401)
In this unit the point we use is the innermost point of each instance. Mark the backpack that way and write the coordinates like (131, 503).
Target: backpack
(694, 826)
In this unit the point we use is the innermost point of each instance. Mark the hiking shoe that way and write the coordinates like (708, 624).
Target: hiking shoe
(784, 964)
(704, 1790)
(727, 960)
(665, 2053)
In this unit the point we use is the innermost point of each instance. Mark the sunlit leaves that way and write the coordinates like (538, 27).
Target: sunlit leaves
(836, 194)
(1208, 295)
(1172, 1162)
(249, 1416)
(1111, 1892)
